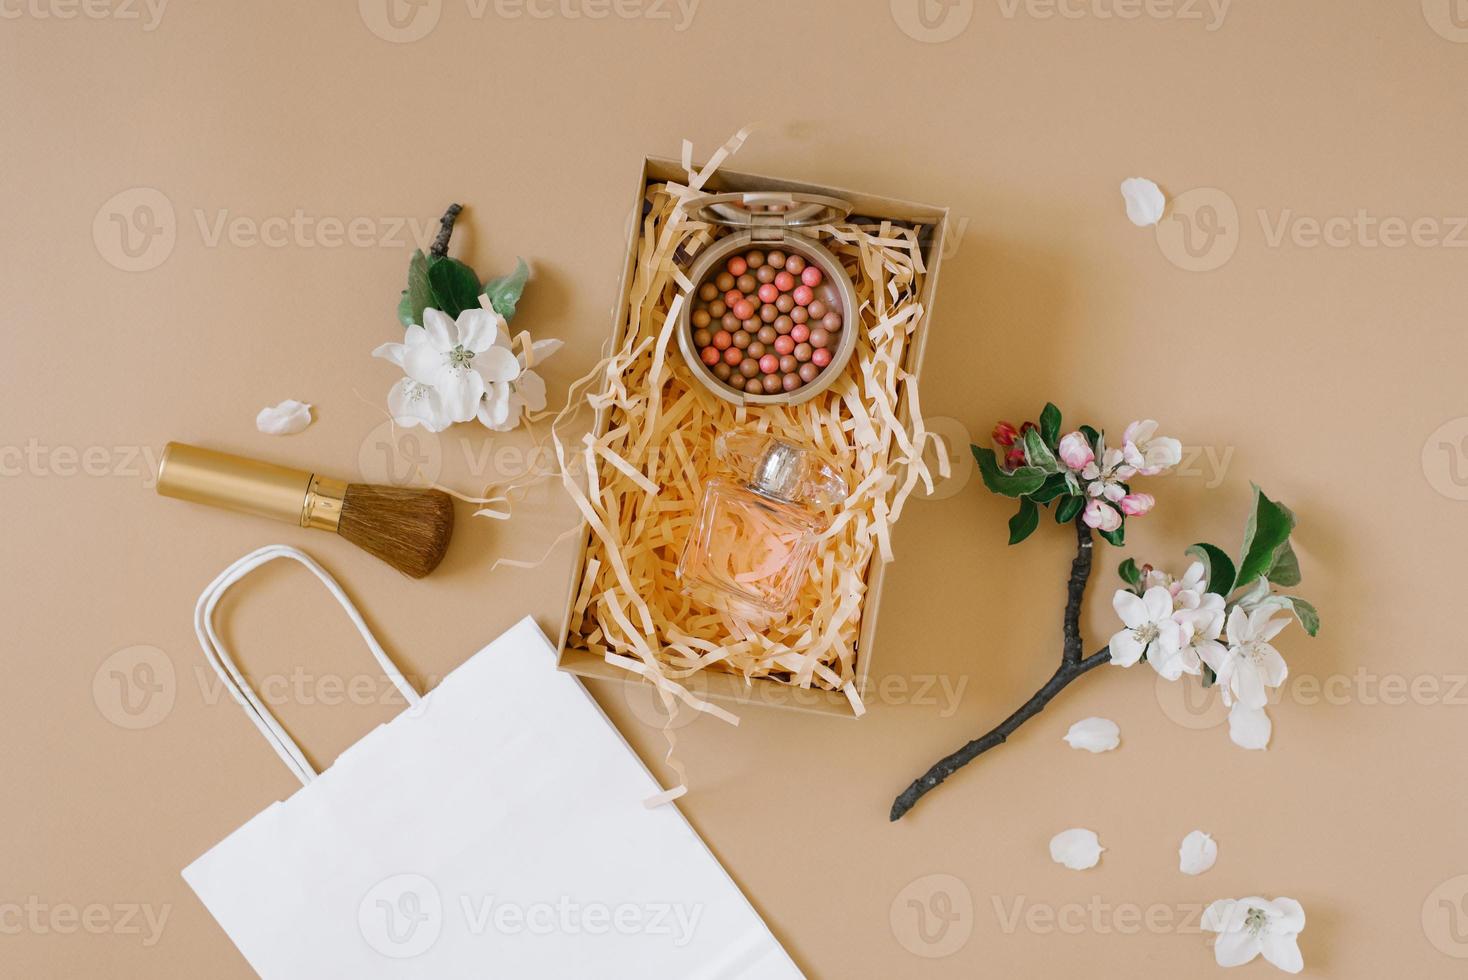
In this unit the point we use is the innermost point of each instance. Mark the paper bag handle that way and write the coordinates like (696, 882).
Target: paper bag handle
(224, 665)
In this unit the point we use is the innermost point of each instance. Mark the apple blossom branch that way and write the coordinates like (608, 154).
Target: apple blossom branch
(1072, 666)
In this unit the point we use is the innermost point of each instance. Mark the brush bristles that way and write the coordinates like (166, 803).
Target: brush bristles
(406, 527)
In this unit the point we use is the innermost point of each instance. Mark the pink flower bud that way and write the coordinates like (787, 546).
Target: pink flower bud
(1015, 457)
(1005, 434)
(1137, 504)
(1076, 452)
(1100, 515)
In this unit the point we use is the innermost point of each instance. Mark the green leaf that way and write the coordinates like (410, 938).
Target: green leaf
(1068, 509)
(1117, 537)
(1038, 453)
(1286, 568)
(1023, 524)
(1026, 479)
(1053, 487)
(455, 286)
(419, 294)
(1071, 483)
(1209, 677)
(1092, 436)
(1268, 530)
(1306, 614)
(1130, 573)
(1050, 424)
(1219, 566)
(504, 292)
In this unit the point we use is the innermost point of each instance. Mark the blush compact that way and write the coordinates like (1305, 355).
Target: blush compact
(772, 315)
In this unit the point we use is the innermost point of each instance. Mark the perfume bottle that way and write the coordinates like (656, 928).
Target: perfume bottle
(754, 534)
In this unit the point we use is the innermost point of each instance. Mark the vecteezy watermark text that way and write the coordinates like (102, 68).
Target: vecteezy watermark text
(41, 918)
(149, 13)
(404, 915)
(136, 229)
(405, 21)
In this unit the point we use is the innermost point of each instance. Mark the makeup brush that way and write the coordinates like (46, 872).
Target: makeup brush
(407, 527)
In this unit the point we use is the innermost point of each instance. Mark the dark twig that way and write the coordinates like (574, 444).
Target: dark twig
(440, 244)
(1075, 591)
(1072, 666)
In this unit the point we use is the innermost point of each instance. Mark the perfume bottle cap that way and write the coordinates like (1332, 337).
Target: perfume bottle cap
(777, 472)
(782, 470)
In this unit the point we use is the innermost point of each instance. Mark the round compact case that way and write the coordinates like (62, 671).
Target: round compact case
(772, 319)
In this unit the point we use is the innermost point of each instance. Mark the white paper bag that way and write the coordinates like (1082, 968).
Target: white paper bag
(493, 829)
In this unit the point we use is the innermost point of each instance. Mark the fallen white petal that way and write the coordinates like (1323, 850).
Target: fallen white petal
(1077, 849)
(1094, 735)
(1198, 853)
(287, 418)
(1249, 728)
(1144, 201)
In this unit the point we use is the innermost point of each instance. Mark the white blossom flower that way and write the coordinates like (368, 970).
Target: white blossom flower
(1148, 453)
(1247, 927)
(1250, 664)
(1150, 630)
(1201, 620)
(505, 401)
(411, 403)
(458, 359)
(1192, 581)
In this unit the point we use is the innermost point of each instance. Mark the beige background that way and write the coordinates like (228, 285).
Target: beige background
(1329, 372)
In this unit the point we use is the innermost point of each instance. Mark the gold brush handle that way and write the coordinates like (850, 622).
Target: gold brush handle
(250, 486)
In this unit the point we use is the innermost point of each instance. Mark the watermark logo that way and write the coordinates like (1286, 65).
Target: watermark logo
(932, 21)
(956, 442)
(1201, 230)
(1449, 18)
(1445, 917)
(646, 703)
(402, 916)
(135, 687)
(1445, 459)
(1187, 703)
(933, 916)
(135, 230)
(400, 456)
(400, 21)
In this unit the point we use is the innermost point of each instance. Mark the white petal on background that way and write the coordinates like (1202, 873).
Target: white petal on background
(1077, 849)
(1198, 853)
(1094, 735)
(1249, 728)
(1144, 201)
(287, 418)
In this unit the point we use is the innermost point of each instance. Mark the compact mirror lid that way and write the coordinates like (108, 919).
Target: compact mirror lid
(770, 208)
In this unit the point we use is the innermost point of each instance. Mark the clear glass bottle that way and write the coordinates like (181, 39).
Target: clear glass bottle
(753, 536)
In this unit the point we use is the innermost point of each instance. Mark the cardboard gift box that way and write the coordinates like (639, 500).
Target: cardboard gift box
(932, 224)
